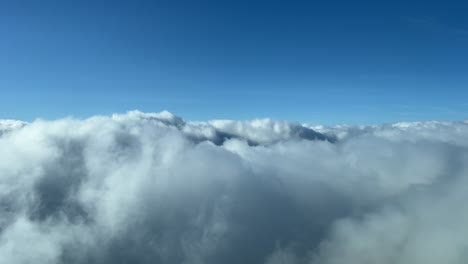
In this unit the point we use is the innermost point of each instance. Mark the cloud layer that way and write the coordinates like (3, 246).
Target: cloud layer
(153, 188)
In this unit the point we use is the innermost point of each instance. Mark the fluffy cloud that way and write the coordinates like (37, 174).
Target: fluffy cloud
(153, 188)
(8, 125)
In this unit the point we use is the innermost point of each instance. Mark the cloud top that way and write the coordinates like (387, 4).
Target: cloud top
(154, 188)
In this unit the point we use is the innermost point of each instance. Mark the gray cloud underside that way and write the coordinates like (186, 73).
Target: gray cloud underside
(153, 188)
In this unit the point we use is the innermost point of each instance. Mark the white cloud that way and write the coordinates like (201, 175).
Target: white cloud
(152, 187)
(7, 125)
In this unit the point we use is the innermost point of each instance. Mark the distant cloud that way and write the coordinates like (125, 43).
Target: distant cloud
(154, 188)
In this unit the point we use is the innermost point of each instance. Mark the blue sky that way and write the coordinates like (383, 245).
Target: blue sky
(314, 61)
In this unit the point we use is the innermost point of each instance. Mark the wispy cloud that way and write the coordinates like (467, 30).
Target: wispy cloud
(436, 25)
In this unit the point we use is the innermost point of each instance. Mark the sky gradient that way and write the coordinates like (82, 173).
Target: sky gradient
(322, 62)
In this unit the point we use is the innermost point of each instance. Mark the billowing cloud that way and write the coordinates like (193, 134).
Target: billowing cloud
(8, 125)
(154, 188)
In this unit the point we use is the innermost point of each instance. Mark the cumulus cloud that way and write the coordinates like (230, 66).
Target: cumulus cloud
(154, 188)
(7, 125)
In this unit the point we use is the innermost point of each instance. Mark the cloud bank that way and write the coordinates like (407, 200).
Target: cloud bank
(154, 188)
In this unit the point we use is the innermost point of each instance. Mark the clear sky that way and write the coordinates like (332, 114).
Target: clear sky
(314, 61)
